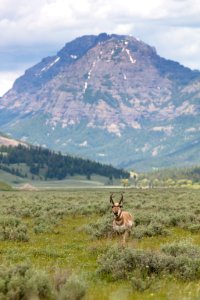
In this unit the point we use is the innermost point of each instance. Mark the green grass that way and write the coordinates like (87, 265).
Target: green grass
(9, 178)
(71, 181)
(64, 243)
(4, 186)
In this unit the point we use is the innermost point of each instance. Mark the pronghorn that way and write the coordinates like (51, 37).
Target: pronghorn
(123, 220)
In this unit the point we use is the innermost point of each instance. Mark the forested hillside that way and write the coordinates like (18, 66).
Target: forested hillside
(47, 164)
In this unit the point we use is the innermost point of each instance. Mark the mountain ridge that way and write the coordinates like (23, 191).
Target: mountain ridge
(106, 89)
(7, 141)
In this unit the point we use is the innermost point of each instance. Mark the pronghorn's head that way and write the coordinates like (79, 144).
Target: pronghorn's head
(116, 206)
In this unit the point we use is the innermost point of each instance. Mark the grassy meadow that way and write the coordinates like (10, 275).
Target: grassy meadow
(59, 244)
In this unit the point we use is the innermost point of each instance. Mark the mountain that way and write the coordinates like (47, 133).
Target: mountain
(110, 98)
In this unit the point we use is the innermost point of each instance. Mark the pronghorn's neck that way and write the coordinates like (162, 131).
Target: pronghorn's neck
(119, 222)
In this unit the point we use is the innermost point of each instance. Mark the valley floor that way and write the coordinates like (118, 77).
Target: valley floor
(70, 231)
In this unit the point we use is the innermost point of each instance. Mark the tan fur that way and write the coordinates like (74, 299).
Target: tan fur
(123, 220)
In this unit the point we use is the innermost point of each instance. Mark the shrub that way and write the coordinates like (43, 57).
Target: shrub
(153, 229)
(101, 228)
(68, 286)
(7, 221)
(174, 259)
(42, 228)
(116, 263)
(73, 289)
(181, 219)
(11, 228)
(141, 283)
(21, 282)
(194, 228)
(145, 218)
(45, 223)
(184, 248)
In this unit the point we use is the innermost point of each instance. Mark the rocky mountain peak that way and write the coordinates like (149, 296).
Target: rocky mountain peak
(115, 85)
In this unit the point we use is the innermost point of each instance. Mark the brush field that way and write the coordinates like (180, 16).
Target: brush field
(60, 245)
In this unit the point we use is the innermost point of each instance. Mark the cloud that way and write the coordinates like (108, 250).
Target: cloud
(31, 30)
(184, 45)
(7, 79)
(37, 21)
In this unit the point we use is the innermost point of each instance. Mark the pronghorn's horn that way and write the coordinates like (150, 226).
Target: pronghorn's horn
(121, 200)
(111, 199)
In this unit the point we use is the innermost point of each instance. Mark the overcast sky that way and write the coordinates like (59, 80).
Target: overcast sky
(31, 30)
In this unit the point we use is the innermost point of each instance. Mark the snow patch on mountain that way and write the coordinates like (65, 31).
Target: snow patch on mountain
(89, 75)
(166, 129)
(84, 144)
(50, 65)
(85, 86)
(133, 61)
(73, 56)
(101, 154)
(192, 129)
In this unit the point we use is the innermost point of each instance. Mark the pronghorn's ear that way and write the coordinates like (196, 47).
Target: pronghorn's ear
(121, 200)
(111, 199)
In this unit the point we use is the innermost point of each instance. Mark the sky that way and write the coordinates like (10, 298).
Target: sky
(32, 30)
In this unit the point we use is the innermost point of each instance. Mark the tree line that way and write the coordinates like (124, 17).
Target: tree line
(52, 165)
(185, 173)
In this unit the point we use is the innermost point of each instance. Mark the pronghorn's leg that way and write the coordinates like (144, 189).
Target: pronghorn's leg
(116, 235)
(125, 235)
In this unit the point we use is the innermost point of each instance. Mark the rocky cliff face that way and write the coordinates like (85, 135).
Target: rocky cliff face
(110, 98)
